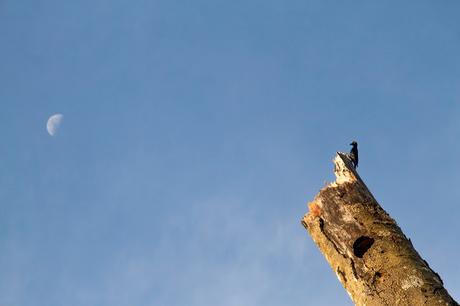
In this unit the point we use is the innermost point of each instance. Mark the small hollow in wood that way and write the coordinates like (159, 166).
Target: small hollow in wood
(361, 245)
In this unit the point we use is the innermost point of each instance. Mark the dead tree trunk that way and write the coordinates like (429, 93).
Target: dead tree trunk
(371, 256)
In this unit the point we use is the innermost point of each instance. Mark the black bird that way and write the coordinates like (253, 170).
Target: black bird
(354, 153)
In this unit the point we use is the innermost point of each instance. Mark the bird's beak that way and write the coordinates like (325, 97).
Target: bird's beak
(351, 144)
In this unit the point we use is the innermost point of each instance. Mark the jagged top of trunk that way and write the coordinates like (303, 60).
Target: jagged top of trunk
(344, 170)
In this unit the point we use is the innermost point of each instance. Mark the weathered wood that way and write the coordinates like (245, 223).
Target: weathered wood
(367, 250)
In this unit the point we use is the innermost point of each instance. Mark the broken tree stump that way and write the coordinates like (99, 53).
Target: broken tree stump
(372, 258)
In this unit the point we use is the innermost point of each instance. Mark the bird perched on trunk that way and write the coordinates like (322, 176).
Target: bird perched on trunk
(354, 153)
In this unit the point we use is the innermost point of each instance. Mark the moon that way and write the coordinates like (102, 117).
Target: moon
(52, 126)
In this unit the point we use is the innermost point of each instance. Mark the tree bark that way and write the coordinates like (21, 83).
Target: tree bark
(367, 250)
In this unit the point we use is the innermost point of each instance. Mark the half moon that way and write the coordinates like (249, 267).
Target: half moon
(53, 124)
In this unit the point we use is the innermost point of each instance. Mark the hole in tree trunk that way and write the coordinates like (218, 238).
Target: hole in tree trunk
(361, 245)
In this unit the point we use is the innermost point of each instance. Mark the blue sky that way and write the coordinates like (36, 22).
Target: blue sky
(196, 132)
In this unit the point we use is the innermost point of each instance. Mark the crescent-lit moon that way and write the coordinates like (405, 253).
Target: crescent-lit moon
(53, 123)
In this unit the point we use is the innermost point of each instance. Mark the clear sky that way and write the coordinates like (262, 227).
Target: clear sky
(194, 134)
